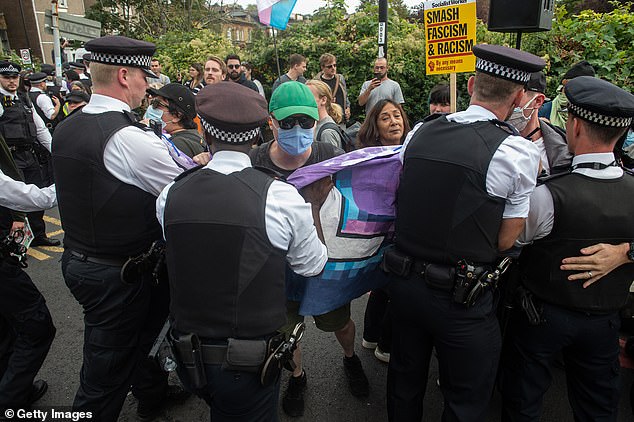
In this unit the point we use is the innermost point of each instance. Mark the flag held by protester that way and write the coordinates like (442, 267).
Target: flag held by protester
(275, 12)
(357, 220)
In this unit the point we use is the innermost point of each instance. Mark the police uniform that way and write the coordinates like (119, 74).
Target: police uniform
(568, 213)
(45, 108)
(109, 171)
(26, 327)
(43, 104)
(22, 129)
(230, 229)
(462, 175)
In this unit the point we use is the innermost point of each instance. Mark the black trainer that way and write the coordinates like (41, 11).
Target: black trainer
(357, 381)
(293, 401)
(38, 389)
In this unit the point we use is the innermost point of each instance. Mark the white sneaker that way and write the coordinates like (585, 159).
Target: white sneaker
(368, 344)
(381, 355)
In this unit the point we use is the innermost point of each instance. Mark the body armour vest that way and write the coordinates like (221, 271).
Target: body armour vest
(587, 211)
(226, 278)
(444, 213)
(101, 215)
(50, 124)
(16, 124)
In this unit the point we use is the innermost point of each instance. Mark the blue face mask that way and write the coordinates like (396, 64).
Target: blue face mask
(295, 141)
(154, 114)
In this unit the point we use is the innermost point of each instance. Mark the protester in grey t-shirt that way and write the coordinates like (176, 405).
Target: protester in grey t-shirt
(379, 88)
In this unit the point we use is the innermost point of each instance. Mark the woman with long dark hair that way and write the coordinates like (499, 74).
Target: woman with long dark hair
(195, 76)
(386, 124)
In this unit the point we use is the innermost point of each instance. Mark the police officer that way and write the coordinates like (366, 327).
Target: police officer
(109, 171)
(22, 128)
(47, 107)
(26, 327)
(578, 318)
(228, 239)
(463, 197)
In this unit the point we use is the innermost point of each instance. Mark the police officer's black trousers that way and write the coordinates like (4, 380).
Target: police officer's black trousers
(590, 347)
(467, 342)
(121, 322)
(26, 334)
(235, 396)
(377, 320)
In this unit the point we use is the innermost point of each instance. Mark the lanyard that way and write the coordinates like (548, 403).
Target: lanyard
(593, 166)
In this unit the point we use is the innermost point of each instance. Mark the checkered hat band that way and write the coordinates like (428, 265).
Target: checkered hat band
(117, 59)
(501, 71)
(229, 137)
(9, 69)
(600, 119)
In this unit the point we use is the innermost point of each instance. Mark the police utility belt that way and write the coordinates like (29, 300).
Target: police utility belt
(132, 268)
(265, 357)
(465, 281)
(27, 146)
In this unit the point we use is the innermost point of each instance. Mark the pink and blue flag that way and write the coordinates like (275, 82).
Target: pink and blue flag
(275, 12)
(357, 220)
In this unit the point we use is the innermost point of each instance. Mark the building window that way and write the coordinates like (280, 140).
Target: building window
(229, 33)
(62, 3)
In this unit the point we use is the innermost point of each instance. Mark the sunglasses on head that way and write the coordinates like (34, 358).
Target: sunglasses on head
(304, 122)
(233, 66)
(158, 103)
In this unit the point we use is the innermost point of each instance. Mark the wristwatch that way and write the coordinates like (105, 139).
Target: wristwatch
(630, 253)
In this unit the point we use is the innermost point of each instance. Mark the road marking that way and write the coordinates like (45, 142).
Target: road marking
(52, 248)
(37, 254)
(52, 220)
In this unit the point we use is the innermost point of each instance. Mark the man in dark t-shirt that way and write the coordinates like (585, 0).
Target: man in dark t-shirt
(335, 81)
(293, 118)
(319, 151)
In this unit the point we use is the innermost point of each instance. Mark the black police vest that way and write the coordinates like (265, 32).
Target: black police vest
(101, 215)
(50, 124)
(444, 213)
(587, 211)
(226, 278)
(16, 124)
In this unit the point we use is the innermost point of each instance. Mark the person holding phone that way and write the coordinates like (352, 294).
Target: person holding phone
(380, 87)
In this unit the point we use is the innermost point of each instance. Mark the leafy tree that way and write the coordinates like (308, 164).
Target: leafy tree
(177, 50)
(397, 6)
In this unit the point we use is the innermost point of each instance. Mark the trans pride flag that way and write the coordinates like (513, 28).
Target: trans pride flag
(357, 219)
(275, 12)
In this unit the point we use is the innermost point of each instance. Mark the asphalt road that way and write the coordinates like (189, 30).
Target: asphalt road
(327, 396)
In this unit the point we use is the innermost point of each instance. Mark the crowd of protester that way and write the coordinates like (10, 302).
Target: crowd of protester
(304, 122)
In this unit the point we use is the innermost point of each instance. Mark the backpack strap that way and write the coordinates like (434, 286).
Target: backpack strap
(329, 125)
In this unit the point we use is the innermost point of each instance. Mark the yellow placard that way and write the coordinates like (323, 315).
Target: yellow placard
(450, 31)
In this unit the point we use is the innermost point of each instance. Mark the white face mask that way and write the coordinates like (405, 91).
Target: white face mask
(518, 119)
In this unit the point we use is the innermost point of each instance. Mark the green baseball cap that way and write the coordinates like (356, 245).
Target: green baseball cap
(293, 98)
